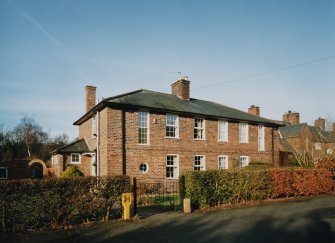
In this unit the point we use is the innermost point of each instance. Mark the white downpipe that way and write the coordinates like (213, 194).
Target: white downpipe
(98, 144)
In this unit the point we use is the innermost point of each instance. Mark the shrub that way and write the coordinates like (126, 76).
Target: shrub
(72, 171)
(328, 164)
(58, 202)
(210, 188)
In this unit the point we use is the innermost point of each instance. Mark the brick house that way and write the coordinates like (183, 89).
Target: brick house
(304, 143)
(157, 136)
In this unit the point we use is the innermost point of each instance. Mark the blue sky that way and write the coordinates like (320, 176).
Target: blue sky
(49, 51)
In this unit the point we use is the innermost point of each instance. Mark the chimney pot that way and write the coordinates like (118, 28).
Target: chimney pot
(90, 97)
(292, 118)
(254, 110)
(320, 123)
(181, 88)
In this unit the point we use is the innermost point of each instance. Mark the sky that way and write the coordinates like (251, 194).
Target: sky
(276, 54)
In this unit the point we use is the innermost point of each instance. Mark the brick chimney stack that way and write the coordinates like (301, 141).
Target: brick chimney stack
(292, 118)
(254, 110)
(320, 123)
(181, 88)
(90, 97)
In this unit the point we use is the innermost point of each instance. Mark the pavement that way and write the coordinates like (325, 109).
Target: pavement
(304, 220)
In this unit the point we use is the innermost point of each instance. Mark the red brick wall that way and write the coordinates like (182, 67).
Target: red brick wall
(85, 131)
(186, 147)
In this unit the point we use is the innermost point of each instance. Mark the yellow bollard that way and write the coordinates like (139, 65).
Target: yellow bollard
(126, 202)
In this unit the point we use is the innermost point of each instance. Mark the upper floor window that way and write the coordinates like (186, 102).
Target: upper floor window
(199, 162)
(223, 162)
(3, 173)
(223, 131)
(261, 138)
(75, 158)
(199, 128)
(244, 161)
(172, 166)
(244, 136)
(143, 127)
(94, 126)
(172, 130)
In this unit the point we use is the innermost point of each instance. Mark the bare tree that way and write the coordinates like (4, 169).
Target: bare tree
(329, 123)
(30, 133)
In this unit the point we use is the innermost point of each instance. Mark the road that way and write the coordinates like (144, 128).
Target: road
(305, 220)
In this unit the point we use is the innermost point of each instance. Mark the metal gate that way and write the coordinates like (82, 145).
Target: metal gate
(159, 195)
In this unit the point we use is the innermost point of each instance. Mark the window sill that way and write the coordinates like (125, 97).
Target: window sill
(172, 178)
(199, 139)
(144, 144)
(75, 163)
(244, 142)
(223, 141)
(175, 138)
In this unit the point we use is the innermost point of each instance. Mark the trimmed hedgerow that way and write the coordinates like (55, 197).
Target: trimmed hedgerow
(210, 188)
(33, 204)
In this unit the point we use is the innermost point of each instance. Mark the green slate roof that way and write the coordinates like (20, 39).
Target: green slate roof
(169, 103)
(79, 146)
(291, 131)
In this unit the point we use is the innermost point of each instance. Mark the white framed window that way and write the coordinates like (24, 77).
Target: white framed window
(223, 162)
(223, 131)
(3, 173)
(172, 166)
(94, 127)
(199, 162)
(75, 158)
(172, 126)
(143, 127)
(144, 168)
(244, 133)
(330, 151)
(317, 146)
(261, 138)
(199, 128)
(244, 161)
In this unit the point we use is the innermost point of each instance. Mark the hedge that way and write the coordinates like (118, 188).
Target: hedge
(211, 188)
(31, 204)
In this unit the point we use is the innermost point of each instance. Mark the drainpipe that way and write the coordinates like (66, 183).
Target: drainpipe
(98, 146)
(124, 163)
(273, 146)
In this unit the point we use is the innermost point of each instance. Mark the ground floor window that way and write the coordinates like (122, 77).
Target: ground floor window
(244, 161)
(172, 166)
(3, 173)
(199, 162)
(223, 162)
(75, 158)
(144, 168)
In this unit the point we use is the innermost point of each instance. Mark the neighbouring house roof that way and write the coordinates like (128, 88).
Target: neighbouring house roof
(318, 135)
(79, 146)
(151, 100)
(291, 131)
